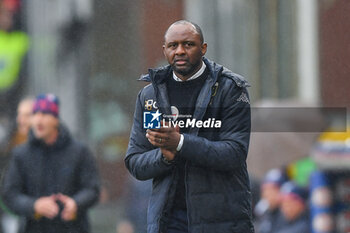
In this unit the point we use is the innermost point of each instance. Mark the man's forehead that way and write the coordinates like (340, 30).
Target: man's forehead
(183, 26)
(180, 29)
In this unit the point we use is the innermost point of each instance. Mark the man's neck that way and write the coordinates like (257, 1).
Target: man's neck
(198, 73)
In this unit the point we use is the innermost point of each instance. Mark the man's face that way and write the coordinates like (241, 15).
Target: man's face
(44, 125)
(291, 207)
(271, 193)
(24, 116)
(183, 50)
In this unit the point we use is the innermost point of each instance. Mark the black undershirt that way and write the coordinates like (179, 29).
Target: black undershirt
(183, 95)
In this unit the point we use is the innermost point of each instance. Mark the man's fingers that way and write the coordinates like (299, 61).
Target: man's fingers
(163, 135)
(70, 208)
(53, 209)
(157, 139)
(47, 207)
(153, 136)
(63, 198)
(65, 215)
(164, 139)
(169, 155)
(50, 211)
(154, 141)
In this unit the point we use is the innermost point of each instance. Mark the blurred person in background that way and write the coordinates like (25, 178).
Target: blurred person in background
(267, 210)
(9, 222)
(200, 178)
(23, 122)
(14, 45)
(19, 133)
(52, 179)
(294, 210)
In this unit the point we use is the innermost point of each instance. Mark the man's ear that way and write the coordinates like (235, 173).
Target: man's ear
(164, 50)
(204, 48)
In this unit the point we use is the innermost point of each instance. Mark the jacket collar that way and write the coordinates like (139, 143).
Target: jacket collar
(205, 93)
(158, 75)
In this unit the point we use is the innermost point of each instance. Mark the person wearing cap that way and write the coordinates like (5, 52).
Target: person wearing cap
(52, 179)
(294, 209)
(267, 209)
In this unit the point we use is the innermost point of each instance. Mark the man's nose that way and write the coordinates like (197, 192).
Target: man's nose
(180, 49)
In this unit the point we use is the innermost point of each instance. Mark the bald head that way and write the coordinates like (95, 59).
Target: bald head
(196, 28)
(184, 48)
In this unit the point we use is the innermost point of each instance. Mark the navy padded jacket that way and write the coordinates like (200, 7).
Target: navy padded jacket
(216, 179)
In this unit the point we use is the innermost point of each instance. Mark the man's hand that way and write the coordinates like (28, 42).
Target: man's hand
(70, 209)
(46, 207)
(169, 155)
(167, 138)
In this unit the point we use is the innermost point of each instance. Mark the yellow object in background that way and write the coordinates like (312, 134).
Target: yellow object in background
(335, 136)
(13, 48)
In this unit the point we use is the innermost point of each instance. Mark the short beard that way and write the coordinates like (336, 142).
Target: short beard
(187, 71)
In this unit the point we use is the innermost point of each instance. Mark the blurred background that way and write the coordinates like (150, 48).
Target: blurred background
(295, 54)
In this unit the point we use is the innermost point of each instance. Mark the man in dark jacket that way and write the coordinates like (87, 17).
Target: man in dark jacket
(268, 208)
(294, 210)
(52, 179)
(190, 135)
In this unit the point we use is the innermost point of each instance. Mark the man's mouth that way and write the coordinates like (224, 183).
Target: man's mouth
(180, 62)
(39, 127)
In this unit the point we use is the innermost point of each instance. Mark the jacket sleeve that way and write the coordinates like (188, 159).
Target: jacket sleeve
(89, 181)
(143, 160)
(229, 150)
(12, 191)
